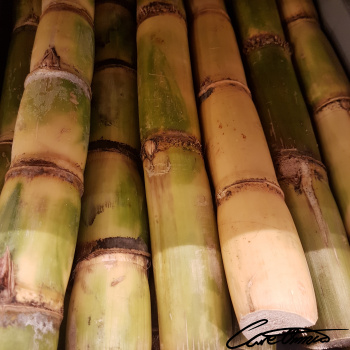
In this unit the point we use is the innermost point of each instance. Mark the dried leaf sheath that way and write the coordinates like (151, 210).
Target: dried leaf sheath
(260, 283)
(110, 302)
(301, 174)
(193, 303)
(40, 201)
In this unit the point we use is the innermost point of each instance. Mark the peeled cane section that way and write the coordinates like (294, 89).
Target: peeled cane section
(40, 201)
(293, 145)
(262, 285)
(184, 240)
(327, 91)
(112, 252)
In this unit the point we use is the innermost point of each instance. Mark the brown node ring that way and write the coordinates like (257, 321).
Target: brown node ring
(157, 8)
(31, 169)
(164, 141)
(262, 40)
(66, 7)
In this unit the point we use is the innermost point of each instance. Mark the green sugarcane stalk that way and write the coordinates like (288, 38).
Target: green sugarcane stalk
(300, 172)
(327, 91)
(110, 301)
(40, 201)
(27, 14)
(192, 297)
(245, 180)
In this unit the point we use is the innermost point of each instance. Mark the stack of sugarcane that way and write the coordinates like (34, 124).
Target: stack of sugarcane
(27, 14)
(40, 200)
(192, 297)
(262, 285)
(302, 176)
(110, 302)
(327, 91)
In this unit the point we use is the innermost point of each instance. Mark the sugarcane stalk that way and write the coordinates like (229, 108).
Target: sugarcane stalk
(192, 297)
(40, 201)
(110, 302)
(299, 169)
(27, 14)
(327, 91)
(244, 178)
(335, 20)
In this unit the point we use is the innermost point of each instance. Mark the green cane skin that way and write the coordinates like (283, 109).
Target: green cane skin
(111, 113)
(120, 316)
(185, 253)
(116, 207)
(335, 148)
(271, 67)
(285, 128)
(322, 75)
(110, 304)
(115, 33)
(165, 87)
(29, 331)
(53, 124)
(16, 71)
(303, 180)
(74, 42)
(30, 227)
(328, 256)
(257, 19)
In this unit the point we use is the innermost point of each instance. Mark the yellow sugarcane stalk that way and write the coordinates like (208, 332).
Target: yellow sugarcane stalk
(262, 285)
(297, 160)
(192, 298)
